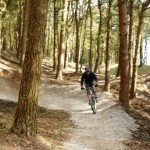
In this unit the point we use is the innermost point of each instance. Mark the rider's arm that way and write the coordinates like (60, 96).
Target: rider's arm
(96, 80)
(95, 77)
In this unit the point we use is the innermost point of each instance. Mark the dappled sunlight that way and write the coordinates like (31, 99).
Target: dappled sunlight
(47, 142)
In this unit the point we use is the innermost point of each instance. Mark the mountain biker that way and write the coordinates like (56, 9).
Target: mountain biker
(90, 80)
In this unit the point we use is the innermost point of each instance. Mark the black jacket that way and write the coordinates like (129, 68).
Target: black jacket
(88, 78)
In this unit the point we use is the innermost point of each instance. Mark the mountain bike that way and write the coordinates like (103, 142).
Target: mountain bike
(92, 99)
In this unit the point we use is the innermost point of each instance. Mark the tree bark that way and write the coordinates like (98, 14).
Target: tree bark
(130, 45)
(26, 113)
(60, 65)
(99, 37)
(124, 62)
(68, 22)
(91, 36)
(83, 43)
(19, 30)
(55, 34)
(141, 54)
(107, 60)
(77, 36)
(24, 31)
(145, 52)
(1, 6)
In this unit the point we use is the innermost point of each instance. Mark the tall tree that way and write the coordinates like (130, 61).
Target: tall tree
(60, 65)
(26, 113)
(124, 62)
(107, 60)
(19, 29)
(68, 22)
(99, 37)
(130, 45)
(77, 35)
(137, 48)
(91, 34)
(83, 42)
(141, 54)
(2, 38)
(1, 6)
(55, 33)
(24, 31)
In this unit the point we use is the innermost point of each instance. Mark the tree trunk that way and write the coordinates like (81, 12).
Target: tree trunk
(141, 54)
(49, 41)
(83, 43)
(72, 46)
(24, 31)
(130, 45)
(107, 61)
(77, 36)
(124, 61)
(1, 6)
(55, 33)
(91, 36)
(60, 65)
(145, 52)
(137, 47)
(10, 37)
(99, 37)
(19, 29)
(26, 113)
(118, 69)
(3, 38)
(67, 37)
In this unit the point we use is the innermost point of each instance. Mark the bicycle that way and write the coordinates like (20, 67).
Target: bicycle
(92, 99)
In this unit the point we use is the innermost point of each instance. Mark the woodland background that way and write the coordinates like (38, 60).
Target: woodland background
(73, 33)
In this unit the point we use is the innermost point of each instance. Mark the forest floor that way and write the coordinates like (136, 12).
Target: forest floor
(57, 125)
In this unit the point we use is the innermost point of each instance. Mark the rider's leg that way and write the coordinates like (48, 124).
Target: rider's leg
(87, 89)
(88, 92)
(94, 91)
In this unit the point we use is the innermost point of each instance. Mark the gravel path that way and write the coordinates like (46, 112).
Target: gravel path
(106, 130)
(109, 129)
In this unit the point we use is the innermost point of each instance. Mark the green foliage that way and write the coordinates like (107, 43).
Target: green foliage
(85, 59)
(10, 21)
(141, 70)
(12, 5)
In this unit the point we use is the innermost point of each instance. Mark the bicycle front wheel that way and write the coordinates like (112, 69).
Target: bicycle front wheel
(93, 107)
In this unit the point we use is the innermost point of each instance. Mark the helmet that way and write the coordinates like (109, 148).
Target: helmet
(87, 69)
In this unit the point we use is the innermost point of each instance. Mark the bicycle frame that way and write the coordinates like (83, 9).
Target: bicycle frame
(92, 99)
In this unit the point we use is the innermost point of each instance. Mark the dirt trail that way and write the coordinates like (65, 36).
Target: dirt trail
(109, 129)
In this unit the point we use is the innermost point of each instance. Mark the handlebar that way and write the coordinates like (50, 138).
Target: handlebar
(84, 88)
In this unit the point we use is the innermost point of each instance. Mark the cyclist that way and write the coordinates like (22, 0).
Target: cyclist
(90, 80)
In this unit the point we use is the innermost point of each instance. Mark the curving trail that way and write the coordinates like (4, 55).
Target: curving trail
(109, 129)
